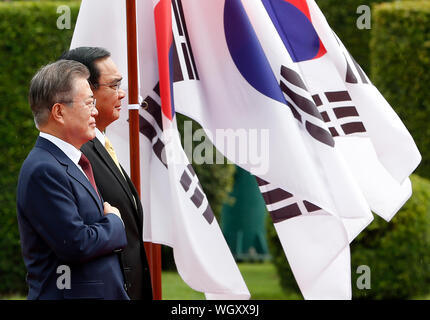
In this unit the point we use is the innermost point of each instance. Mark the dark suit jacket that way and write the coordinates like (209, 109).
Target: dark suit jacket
(119, 192)
(61, 222)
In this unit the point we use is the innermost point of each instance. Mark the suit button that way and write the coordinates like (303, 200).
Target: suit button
(125, 286)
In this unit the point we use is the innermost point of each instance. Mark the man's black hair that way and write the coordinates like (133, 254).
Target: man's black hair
(88, 56)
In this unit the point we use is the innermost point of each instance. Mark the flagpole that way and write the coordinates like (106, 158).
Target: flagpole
(153, 251)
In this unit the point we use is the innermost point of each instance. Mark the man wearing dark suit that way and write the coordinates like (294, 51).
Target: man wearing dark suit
(69, 237)
(113, 182)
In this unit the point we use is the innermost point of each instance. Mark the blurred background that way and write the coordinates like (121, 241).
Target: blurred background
(395, 53)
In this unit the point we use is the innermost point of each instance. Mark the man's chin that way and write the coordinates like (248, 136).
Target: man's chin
(117, 113)
(92, 134)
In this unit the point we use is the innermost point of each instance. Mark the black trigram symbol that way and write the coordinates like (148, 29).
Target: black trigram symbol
(354, 73)
(197, 196)
(303, 108)
(151, 128)
(339, 114)
(184, 65)
(283, 205)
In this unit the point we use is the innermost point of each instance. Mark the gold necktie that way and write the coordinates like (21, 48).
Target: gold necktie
(111, 151)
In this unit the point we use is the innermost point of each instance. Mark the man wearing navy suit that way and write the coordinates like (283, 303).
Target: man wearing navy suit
(63, 223)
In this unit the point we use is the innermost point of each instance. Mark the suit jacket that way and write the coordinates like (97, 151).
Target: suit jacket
(61, 222)
(117, 189)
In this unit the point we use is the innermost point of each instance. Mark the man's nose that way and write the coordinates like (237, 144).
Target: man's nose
(121, 94)
(94, 112)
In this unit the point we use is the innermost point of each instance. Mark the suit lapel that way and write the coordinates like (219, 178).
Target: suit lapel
(75, 173)
(105, 156)
(133, 191)
(72, 169)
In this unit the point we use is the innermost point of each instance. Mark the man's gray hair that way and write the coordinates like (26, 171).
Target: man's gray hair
(51, 84)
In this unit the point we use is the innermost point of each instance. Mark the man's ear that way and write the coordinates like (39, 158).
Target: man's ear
(57, 112)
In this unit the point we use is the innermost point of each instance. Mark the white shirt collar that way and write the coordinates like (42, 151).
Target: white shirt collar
(100, 136)
(70, 151)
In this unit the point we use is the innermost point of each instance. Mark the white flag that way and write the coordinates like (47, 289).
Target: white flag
(275, 66)
(176, 210)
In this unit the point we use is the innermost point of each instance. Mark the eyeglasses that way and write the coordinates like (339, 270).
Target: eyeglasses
(114, 86)
(91, 105)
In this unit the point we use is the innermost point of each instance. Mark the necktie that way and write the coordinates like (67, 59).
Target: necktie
(86, 167)
(111, 151)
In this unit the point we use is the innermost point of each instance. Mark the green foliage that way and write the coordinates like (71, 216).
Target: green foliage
(279, 260)
(260, 278)
(29, 39)
(396, 252)
(38, 1)
(400, 64)
(342, 17)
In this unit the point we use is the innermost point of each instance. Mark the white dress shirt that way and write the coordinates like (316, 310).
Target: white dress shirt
(100, 136)
(71, 152)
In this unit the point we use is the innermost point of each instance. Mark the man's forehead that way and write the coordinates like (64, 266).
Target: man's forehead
(108, 69)
(82, 88)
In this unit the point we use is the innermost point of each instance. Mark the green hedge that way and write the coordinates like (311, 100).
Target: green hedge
(27, 0)
(342, 17)
(30, 39)
(400, 67)
(286, 278)
(397, 252)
